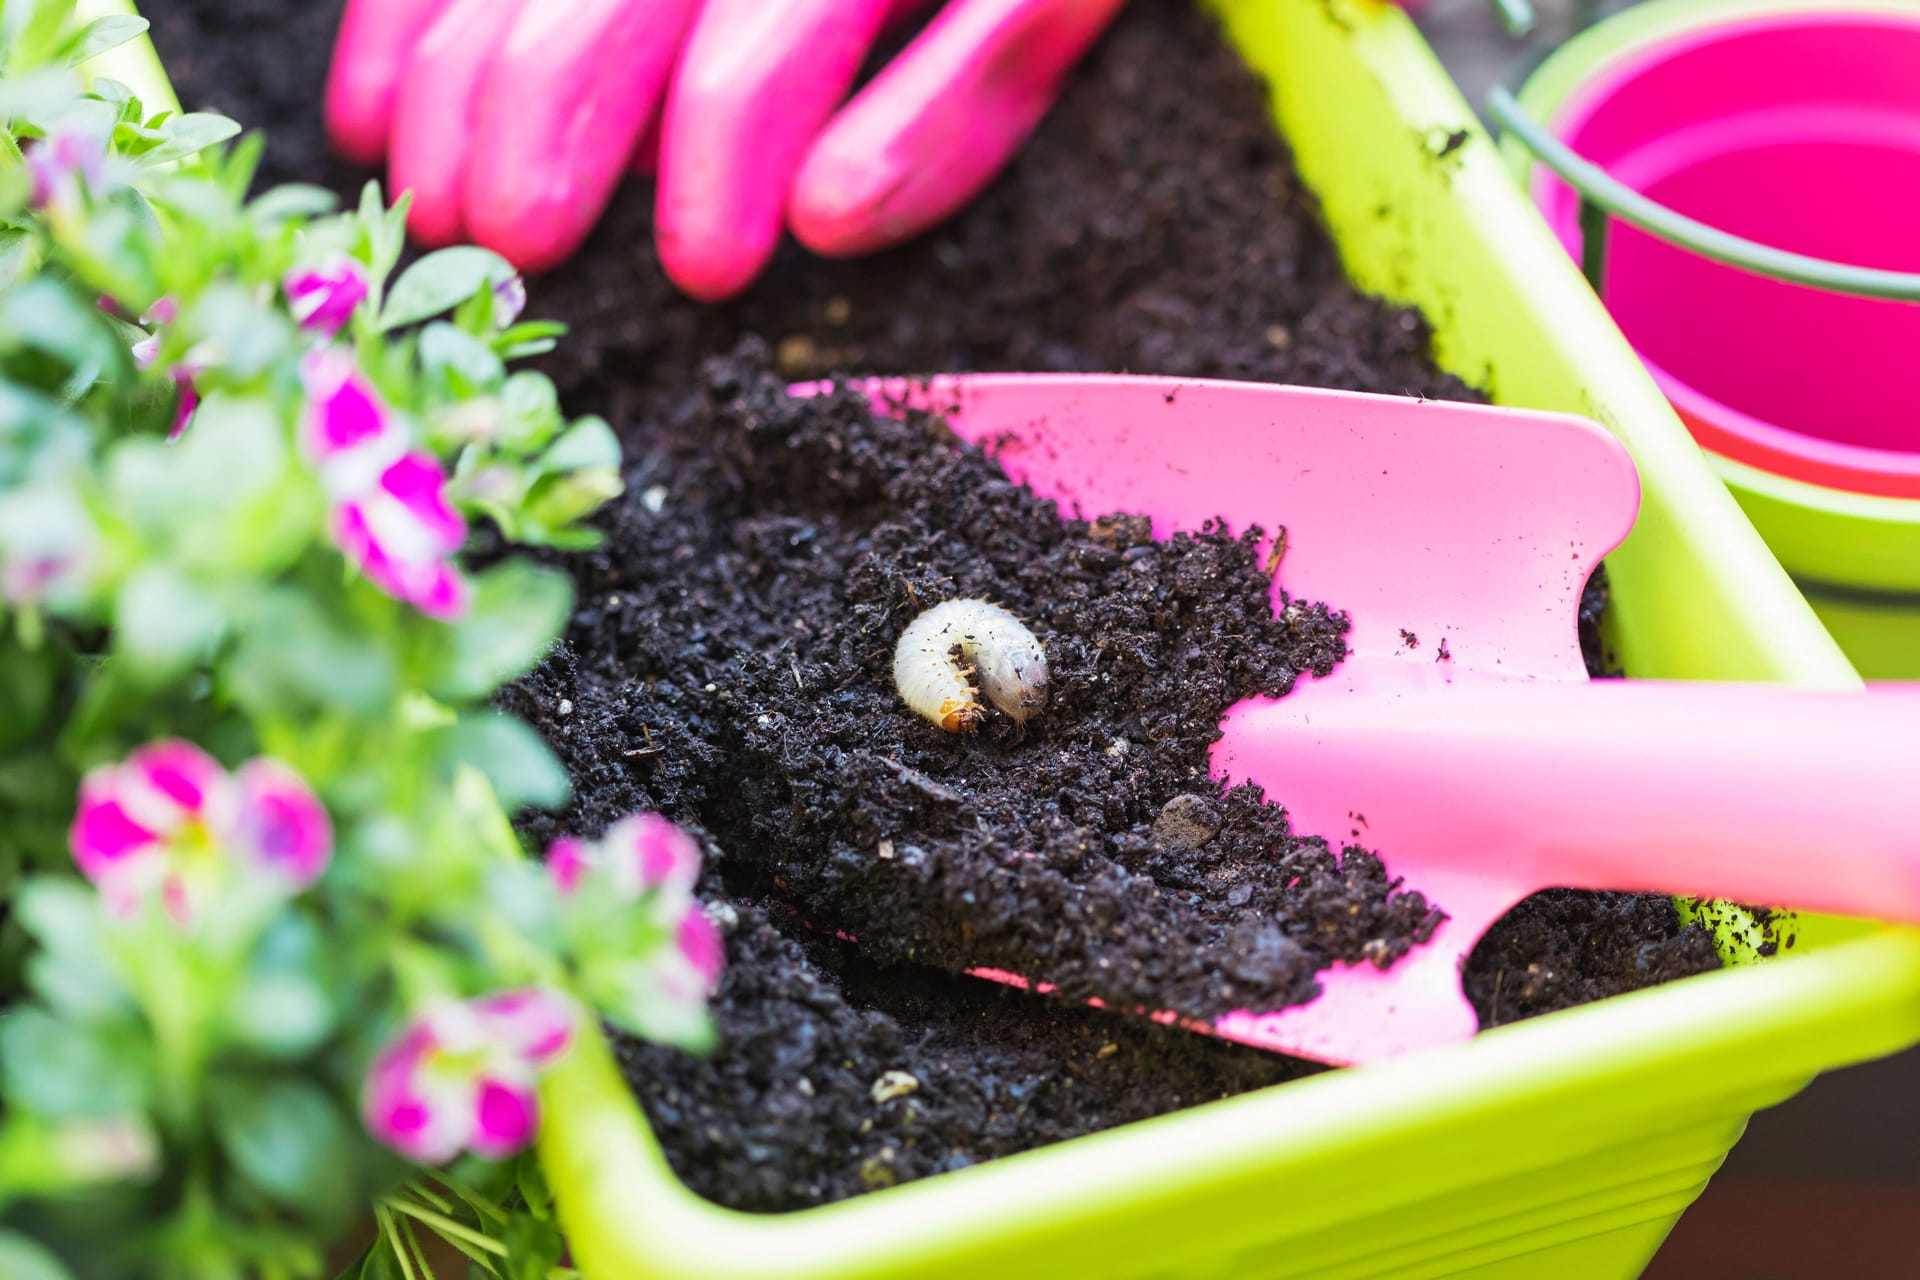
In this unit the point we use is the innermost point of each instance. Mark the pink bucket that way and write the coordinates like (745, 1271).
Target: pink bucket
(1796, 130)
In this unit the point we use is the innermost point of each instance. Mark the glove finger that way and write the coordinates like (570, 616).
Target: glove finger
(562, 110)
(758, 80)
(931, 131)
(435, 138)
(376, 39)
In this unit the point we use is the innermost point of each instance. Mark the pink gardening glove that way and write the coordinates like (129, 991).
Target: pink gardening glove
(511, 121)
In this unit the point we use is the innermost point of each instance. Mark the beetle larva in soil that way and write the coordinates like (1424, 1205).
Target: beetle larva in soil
(959, 638)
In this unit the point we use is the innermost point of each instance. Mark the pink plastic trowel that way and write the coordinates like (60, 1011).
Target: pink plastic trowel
(1462, 739)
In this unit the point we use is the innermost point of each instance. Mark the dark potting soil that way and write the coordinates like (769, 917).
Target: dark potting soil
(729, 663)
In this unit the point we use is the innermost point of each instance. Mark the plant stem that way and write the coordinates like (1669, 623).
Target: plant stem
(426, 1193)
(391, 1234)
(447, 1226)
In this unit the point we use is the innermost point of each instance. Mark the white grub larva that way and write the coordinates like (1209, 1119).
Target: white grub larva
(959, 638)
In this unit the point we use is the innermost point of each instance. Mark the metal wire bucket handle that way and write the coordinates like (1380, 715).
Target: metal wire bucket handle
(1603, 196)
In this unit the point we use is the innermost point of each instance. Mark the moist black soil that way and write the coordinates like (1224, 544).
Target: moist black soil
(740, 627)
(729, 663)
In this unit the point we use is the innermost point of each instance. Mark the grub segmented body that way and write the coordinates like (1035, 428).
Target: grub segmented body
(956, 639)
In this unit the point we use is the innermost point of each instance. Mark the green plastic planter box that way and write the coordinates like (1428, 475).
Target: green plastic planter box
(1565, 1147)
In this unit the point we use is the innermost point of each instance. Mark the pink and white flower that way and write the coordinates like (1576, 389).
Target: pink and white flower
(323, 298)
(403, 534)
(689, 971)
(347, 430)
(654, 980)
(49, 548)
(464, 1076)
(147, 351)
(61, 163)
(509, 300)
(642, 853)
(169, 823)
(391, 515)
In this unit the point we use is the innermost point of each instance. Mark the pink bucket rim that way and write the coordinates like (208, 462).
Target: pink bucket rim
(1716, 425)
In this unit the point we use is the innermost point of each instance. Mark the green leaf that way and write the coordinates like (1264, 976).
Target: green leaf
(285, 1015)
(229, 496)
(532, 1182)
(440, 282)
(106, 33)
(467, 365)
(288, 1139)
(516, 760)
(534, 1247)
(38, 97)
(189, 135)
(252, 339)
(518, 608)
(590, 442)
(63, 1071)
(527, 333)
(294, 653)
(32, 30)
(72, 971)
(46, 315)
(385, 229)
(294, 200)
(26, 693)
(39, 439)
(164, 624)
(22, 1259)
(113, 91)
(531, 409)
(282, 1007)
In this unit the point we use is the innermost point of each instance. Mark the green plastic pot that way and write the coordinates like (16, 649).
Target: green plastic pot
(1855, 555)
(1563, 1147)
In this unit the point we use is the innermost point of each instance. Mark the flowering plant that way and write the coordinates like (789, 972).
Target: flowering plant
(270, 948)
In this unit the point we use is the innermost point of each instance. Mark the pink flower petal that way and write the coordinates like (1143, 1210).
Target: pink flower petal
(402, 535)
(343, 410)
(441, 593)
(128, 815)
(567, 862)
(399, 1112)
(103, 836)
(367, 548)
(281, 825)
(418, 484)
(324, 298)
(177, 898)
(506, 1116)
(28, 578)
(509, 300)
(189, 402)
(180, 771)
(700, 946)
(58, 164)
(535, 1024)
(657, 854)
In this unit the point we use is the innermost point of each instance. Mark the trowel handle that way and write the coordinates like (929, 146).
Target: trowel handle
(1764, 794)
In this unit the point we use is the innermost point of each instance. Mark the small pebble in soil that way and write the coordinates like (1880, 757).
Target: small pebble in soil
(1186, 822)
(894, 1084)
